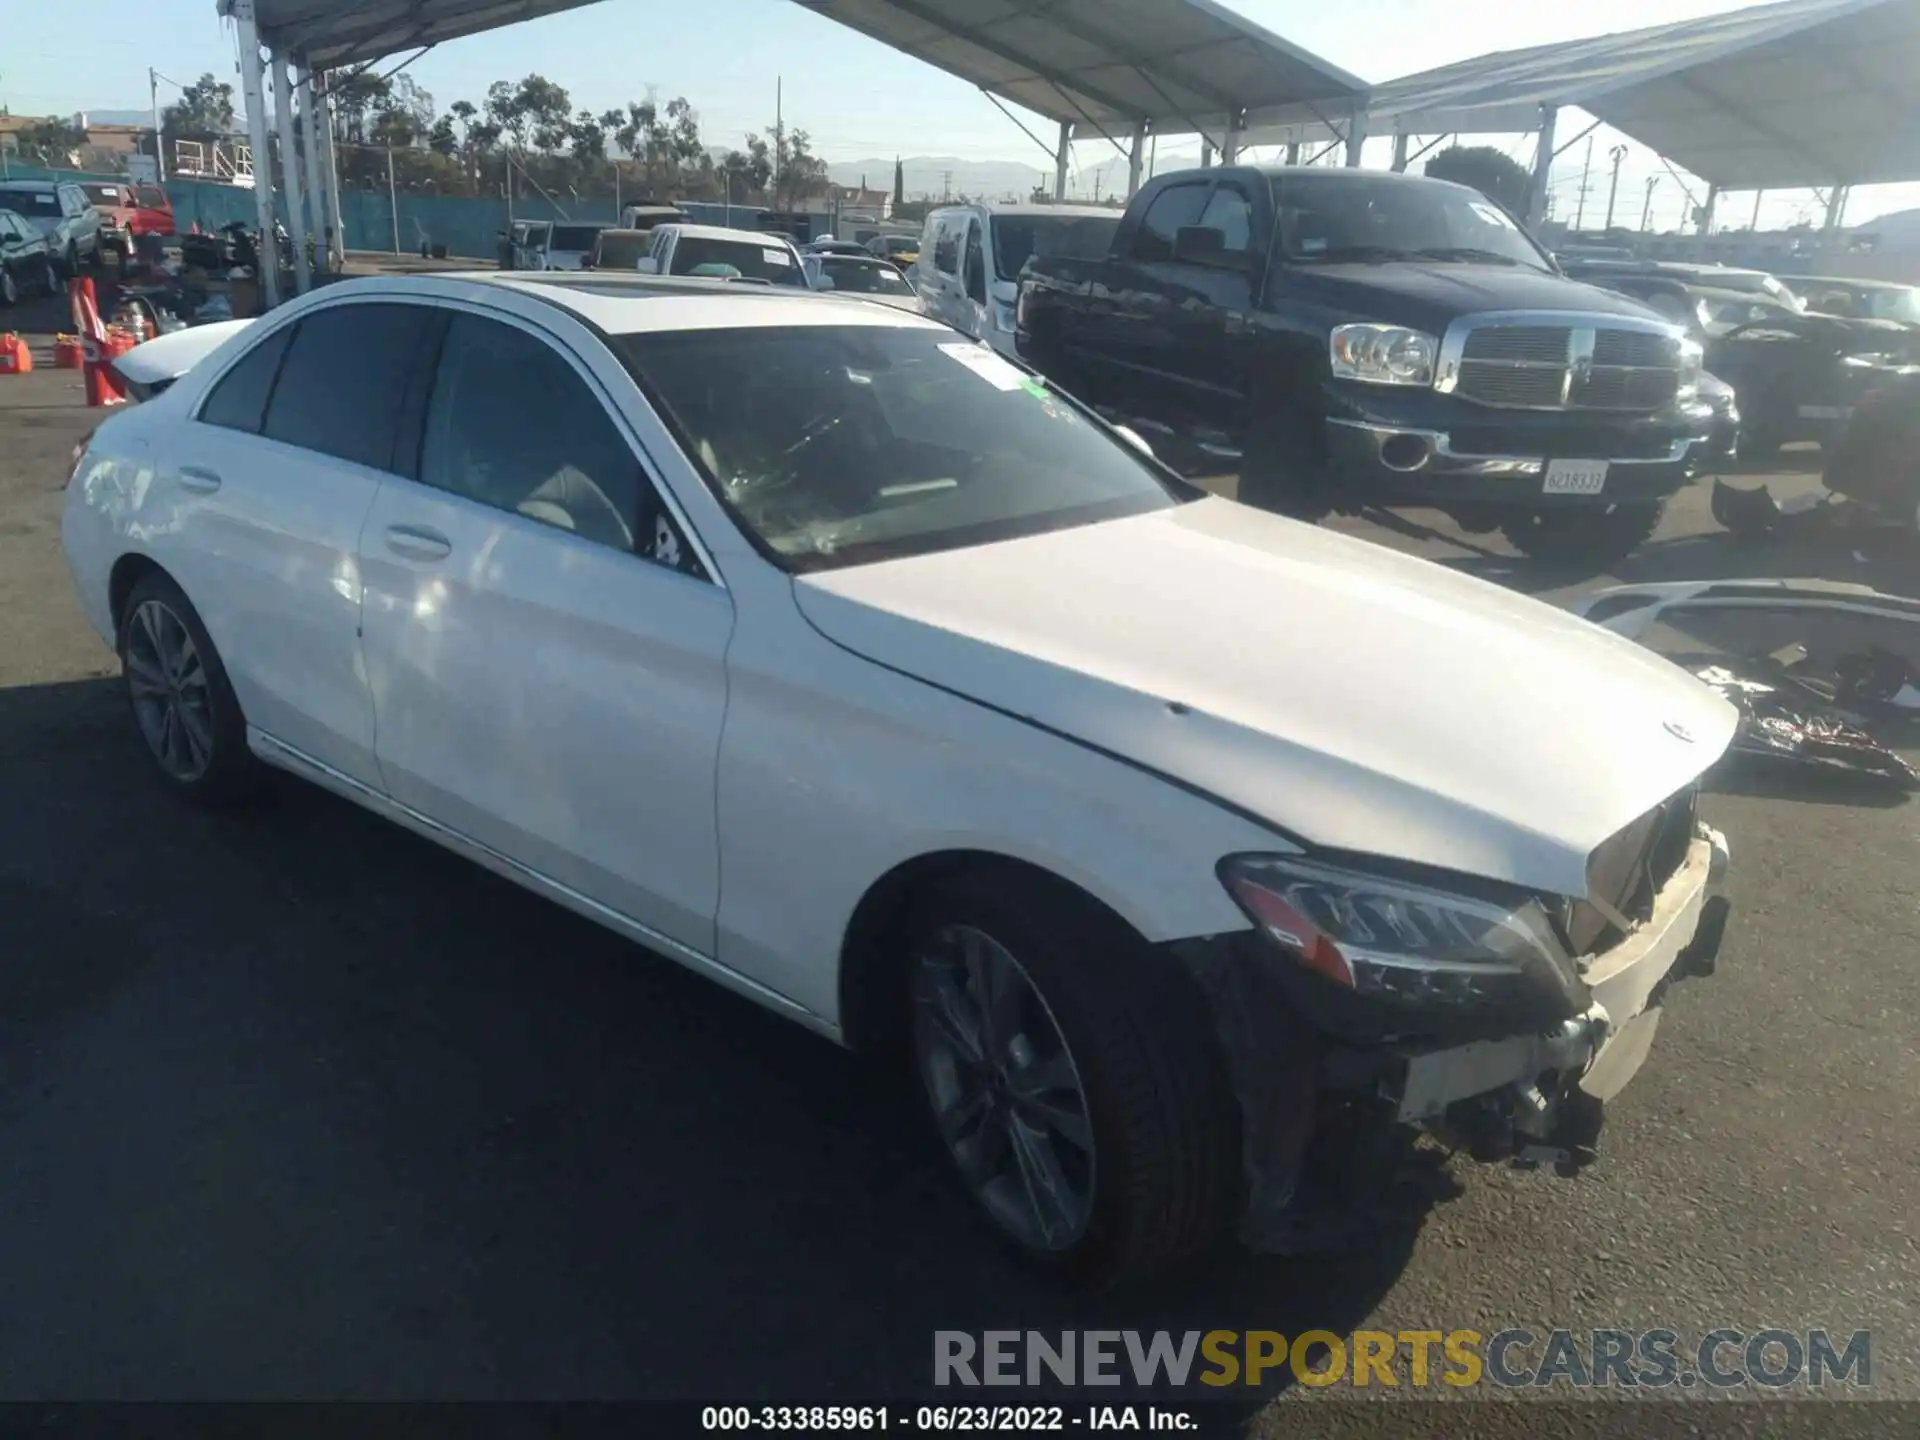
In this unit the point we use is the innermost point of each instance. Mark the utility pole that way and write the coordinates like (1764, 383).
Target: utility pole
(153, 100)
(1618, 154)
(1646, 210)
(1586, 170)
(1755, 226)
(779, 132)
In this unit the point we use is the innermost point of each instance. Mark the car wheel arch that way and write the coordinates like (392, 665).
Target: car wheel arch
(128, 571)
(873, 981)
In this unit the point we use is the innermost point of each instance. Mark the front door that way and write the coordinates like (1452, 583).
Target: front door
(546, 653)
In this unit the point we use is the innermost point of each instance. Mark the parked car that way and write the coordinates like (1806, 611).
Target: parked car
(520, 242)
(619, 249)
(651, 581)
(901, 250)
(968, 270)
(1730, 277)
(1356, 338)
(828, 245)
(864, 275)
(60, 211)
(645, 217)
(565, 245)
(715, 252)
(117, 208)
(26, 260)
(1859, 299)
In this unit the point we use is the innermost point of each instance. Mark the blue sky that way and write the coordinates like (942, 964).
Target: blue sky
(857, 98)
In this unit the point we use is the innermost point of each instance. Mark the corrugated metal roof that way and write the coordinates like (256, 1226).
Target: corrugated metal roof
(1804, 92)
(1097, 62)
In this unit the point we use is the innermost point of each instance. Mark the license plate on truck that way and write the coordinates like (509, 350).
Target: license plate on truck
(1576, 477)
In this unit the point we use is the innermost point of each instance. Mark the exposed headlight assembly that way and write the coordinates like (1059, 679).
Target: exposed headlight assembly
(1692, 361)
(1383, 354)
(1391, 938)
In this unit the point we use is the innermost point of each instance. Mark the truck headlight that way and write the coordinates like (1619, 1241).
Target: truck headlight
(1391, 938)
(1692, 362)
(1383, 354)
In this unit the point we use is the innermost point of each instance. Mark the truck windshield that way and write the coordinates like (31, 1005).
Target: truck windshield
(1345, 217)
(574, 237)
(1017, 238)
(838, 445)
(772, 262)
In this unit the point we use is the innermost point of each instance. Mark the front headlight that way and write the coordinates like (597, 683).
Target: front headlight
(1383, 354)
(1692, 361)
(1391, 938)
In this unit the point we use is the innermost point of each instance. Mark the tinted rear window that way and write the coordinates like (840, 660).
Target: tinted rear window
(344, 380)
(772, 262)
(108, 195)
(30, 203)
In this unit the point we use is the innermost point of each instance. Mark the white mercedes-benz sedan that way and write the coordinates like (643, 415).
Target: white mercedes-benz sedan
(1165, 843)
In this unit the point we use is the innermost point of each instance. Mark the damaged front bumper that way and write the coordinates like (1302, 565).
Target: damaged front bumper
(1529, 1096)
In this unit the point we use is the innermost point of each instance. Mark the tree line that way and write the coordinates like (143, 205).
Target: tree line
(527, 137)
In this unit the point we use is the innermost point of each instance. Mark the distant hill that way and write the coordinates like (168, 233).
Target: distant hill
(934, 176)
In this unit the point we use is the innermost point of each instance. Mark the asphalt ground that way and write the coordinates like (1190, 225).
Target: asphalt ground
(296, 1105)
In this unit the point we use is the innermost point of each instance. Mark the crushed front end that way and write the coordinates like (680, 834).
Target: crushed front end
(1376, 999)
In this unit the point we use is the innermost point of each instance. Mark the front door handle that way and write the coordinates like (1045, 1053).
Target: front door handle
(199, 479)
(416, 542)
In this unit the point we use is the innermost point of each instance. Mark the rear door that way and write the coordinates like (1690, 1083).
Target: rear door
(265, 493)
(545, 649)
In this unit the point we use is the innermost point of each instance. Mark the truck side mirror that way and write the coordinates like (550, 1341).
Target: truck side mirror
(1200, 245)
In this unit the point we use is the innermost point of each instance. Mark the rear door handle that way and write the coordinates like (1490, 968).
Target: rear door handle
(199, 479)
(416, 542)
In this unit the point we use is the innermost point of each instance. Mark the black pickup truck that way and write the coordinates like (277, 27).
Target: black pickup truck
(1363, 338)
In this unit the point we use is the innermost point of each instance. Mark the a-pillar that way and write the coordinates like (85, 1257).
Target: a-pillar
(1136, 159)
(290, 180)
(316, 190)
(1060, 158)
(1542, 167)
(253, 96)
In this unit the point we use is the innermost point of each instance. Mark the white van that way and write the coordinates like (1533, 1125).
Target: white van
(968, 269)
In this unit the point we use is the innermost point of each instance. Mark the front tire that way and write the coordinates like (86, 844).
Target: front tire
(1588, 538)
(183, 705)
(1073, 1079)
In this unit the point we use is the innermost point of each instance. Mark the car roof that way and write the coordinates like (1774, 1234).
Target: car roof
(723, 232)
(11, 184)
(622, 304)
(1842, 280)
(1028, 208)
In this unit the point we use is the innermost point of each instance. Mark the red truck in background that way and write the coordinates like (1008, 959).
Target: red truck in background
(127, 211)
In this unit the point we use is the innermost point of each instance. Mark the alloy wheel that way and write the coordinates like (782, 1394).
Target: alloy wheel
(1006, 1093)
(172, 702)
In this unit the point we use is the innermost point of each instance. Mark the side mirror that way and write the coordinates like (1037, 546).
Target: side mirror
(1200, 245)
(647, 265)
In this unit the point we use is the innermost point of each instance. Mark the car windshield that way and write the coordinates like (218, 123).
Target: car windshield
(622, 251)
(1347, 217)
(864, 277)
(1901, 305)
(1017, 238)
(772, 262)
(574, 237)
(847, 444)
(108, 195)
(151, 196)
(30, 203)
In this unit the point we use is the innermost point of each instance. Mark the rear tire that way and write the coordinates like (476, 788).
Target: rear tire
(1588, 538)
(1097, 1040)
(183, 705)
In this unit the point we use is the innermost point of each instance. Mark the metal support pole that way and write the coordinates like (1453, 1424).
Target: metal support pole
(1136, 158)
(1293, 152)
(310, 158)
(1754, 225)
(1060, 158)
(159, 144)
(1230, 140)
(253, 96)
(393, 203)
(330, 177)
(289, 178)
(1400, 139)
(1206, 153)
(1836, 206)
(1617, 155)
(1706, 210)
(1357, 137)
(1542, 167)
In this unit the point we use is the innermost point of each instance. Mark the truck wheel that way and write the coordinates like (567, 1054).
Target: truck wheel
(1584, 538)
(1073, 1079)
(1281, 468)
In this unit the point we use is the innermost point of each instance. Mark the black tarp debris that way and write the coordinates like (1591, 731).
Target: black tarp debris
(1796, 719)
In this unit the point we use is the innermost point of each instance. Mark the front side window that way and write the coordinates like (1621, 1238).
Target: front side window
(239, 400)
(574, 237)
(841, 445)
(1350, 216)
(344, 378)
(704, 255)
(1175, 208)
(513, 426)
(946, 247)
(864, 277)
(1018, 238)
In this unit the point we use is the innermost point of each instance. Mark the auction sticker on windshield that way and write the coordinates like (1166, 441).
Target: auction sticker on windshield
(1576, 477)
(987, 365)
(775, 257)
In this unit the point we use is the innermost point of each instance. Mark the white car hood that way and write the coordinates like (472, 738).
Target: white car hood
(1355, 697)
(168, 357)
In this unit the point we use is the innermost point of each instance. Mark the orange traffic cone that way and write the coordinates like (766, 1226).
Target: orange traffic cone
(103, 386)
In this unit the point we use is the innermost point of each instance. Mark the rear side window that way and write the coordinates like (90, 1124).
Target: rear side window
(1175, 207)
(239, 400)
(344, 379)
(946, 246)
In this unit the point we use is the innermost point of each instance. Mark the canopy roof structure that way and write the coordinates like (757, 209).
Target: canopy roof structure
(1781, 96)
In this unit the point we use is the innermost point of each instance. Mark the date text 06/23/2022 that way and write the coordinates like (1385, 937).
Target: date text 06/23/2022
(949, 1419)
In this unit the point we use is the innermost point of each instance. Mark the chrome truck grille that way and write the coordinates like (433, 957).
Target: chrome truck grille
(1528, 361)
